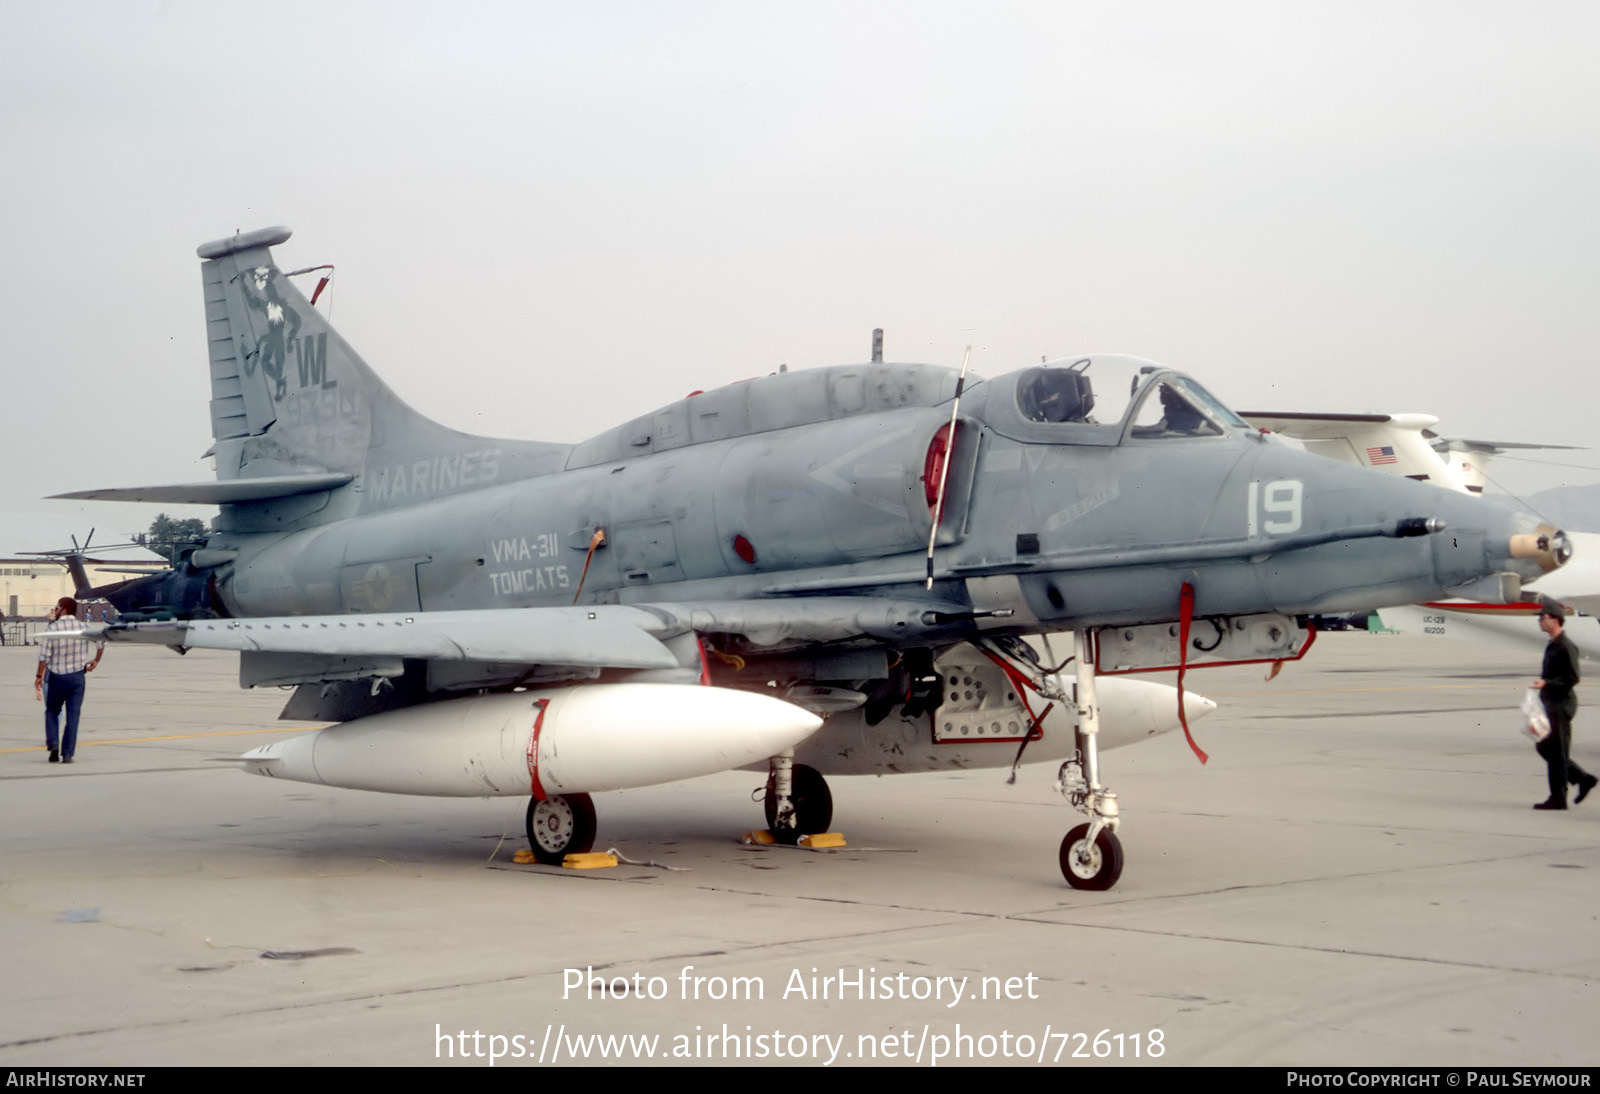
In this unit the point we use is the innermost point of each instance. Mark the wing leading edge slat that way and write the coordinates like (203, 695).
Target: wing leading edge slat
(603, 636)
(609, 636)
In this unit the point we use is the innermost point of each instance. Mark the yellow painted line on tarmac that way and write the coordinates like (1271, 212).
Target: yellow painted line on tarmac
(174, 737)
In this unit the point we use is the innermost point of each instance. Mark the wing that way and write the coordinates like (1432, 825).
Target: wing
(609, 636)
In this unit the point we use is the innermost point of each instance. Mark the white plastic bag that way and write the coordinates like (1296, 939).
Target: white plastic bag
(1535, 722)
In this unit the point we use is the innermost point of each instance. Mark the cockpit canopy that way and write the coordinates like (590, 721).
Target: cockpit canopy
(1055, 395)
(1104, 400)
(1175, 406)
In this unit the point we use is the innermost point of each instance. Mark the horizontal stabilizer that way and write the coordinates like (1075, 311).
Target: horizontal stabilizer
(225, 492)
(1494, 448)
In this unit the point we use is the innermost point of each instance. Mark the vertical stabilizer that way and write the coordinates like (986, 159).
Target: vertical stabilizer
(240, 401)
(289, 396)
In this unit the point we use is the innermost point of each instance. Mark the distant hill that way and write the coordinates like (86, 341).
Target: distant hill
(1574, 508)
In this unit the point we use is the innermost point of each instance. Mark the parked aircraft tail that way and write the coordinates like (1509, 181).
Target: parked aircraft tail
(305, 432)
(1470, 459)
(1400, 444)
(290, 397)
(1397, 444)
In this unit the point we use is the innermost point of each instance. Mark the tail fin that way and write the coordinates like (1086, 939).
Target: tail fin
(82, 589)
(289, 397)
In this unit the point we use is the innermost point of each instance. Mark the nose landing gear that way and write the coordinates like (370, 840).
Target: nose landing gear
(1091, 854)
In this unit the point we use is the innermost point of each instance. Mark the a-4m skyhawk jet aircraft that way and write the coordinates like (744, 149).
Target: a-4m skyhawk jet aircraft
(687, 592)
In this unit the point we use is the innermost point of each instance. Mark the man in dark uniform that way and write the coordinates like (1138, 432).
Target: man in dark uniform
(1557, 684)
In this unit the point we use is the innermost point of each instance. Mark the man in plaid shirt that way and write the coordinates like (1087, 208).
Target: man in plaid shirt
(62, 664)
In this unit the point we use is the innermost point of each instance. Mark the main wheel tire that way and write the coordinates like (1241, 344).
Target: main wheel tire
(1097, 870)
(560, 825)
(813, 804)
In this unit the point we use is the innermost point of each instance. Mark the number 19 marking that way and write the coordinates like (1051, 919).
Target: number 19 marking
(1276, 499)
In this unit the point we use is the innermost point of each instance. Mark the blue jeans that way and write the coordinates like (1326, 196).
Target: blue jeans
(62, 688)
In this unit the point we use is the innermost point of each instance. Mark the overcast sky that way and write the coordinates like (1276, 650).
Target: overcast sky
(547, 218)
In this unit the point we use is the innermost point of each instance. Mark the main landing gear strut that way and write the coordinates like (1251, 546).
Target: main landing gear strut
(798, 801)
(1091, 854)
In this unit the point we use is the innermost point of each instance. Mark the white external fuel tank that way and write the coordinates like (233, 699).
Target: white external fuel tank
(581, 739)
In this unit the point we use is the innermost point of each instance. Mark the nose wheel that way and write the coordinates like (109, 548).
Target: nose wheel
(560, 825)
(1091, 863)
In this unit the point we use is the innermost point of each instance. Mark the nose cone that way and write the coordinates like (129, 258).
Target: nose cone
(1484, 539)
(289, 758)
(1545, 547)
